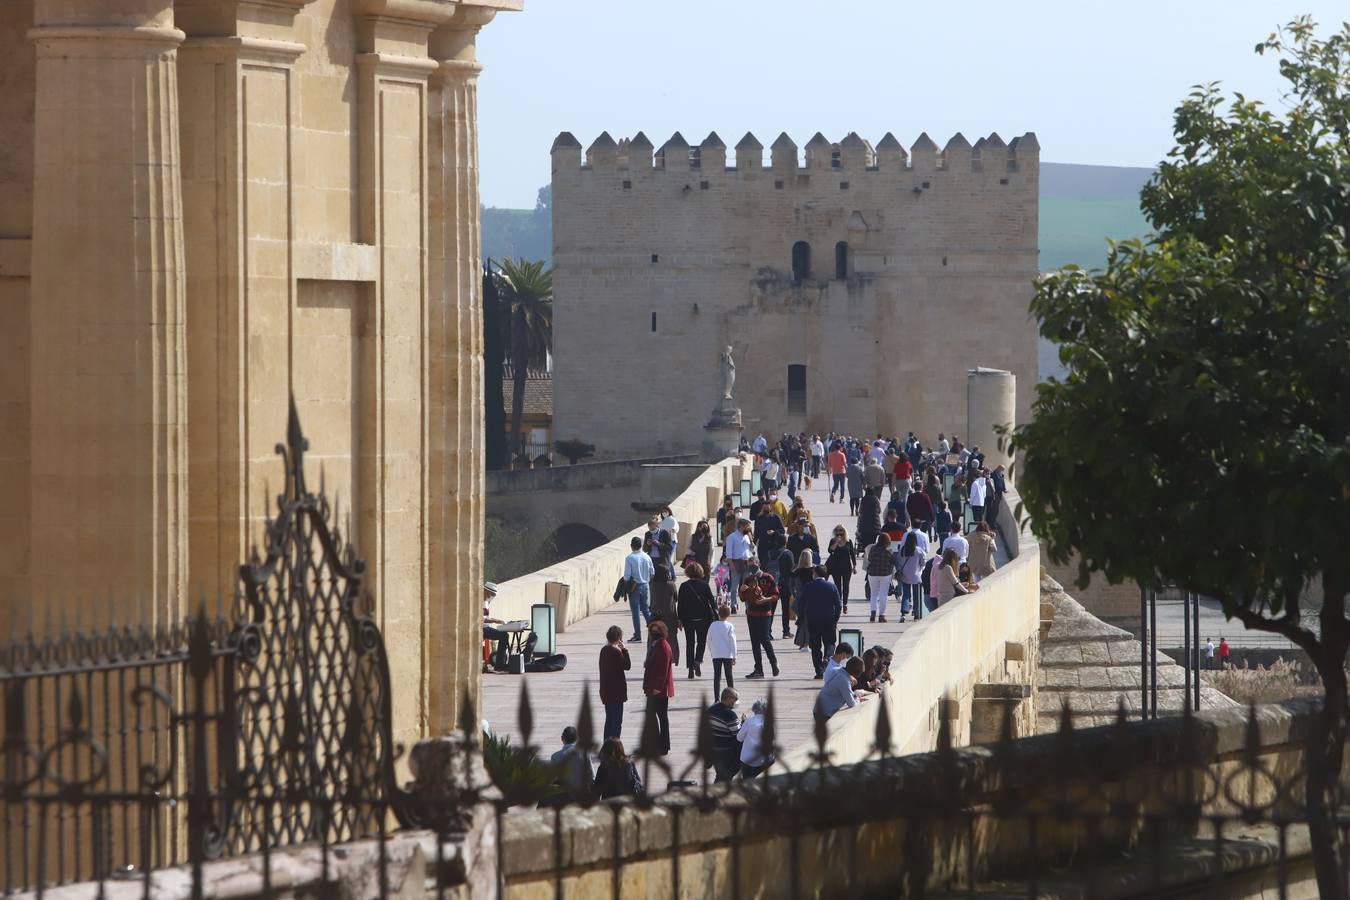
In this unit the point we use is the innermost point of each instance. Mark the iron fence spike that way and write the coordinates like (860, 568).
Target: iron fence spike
(1006, 730)
(768, 740)
(585, 724)
(882, 737)
(944, 735)
(468, 719)
(1251, 751)
(524, 714)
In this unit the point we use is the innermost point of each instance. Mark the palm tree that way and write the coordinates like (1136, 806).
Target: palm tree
(525, 290)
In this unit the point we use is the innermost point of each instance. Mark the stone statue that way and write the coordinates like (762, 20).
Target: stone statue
(728, 376)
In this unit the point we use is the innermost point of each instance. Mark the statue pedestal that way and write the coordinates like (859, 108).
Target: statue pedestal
(722, 434)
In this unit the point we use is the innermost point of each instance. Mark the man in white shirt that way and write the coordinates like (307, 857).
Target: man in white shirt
(943, 446)
(755, 757)
(920, 537)
(978, 491)
(817, 456)
(637, 571)
(671, 526)
(739, 551)
(958, 543)
(877, 453)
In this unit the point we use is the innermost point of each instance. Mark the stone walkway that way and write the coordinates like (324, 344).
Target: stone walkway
(555, 697)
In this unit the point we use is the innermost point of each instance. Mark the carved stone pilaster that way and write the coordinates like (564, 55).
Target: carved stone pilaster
(108, 385)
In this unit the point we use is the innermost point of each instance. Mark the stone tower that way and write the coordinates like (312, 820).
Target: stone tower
(857, 287)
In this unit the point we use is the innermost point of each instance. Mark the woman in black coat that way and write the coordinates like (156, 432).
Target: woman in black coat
(695, 610)
(616, 776)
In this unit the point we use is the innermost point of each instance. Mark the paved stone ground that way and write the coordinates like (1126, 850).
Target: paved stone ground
(1094, 665)
(556, 696)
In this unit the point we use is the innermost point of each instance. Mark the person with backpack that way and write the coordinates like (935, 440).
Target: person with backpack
(909, 565)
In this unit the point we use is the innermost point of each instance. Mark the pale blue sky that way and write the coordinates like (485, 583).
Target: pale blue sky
(1097, 81)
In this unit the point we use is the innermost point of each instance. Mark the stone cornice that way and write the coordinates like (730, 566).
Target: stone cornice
(105, 35)
(428, 12)
(232, 47)
(393, 64)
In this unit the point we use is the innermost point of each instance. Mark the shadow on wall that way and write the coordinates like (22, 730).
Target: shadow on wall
(574, 539)
(511, 550)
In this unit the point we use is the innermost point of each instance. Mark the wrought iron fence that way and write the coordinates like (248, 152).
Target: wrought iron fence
(130, 750)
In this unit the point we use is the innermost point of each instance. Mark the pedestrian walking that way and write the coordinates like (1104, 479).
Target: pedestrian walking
(760, 596)
(722, 647)
(880, 568)
(695, 609)
(637, 574)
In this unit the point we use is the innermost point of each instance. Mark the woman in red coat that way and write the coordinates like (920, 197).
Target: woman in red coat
(658, 683)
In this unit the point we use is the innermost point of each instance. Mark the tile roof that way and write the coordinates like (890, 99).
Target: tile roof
(538, 394)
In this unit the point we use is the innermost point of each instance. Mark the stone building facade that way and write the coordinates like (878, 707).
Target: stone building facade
(856, 290)
(207, 206)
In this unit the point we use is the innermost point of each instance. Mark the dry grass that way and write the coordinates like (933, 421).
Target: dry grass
(1282, 680)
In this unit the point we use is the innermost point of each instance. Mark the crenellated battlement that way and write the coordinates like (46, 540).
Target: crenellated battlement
(850, 154)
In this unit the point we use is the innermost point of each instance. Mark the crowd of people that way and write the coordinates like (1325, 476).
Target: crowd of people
(923, 534)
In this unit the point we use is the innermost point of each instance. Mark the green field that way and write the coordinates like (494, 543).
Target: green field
(1075, 231)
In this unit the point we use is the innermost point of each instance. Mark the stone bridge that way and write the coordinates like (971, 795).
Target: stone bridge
(581, 507)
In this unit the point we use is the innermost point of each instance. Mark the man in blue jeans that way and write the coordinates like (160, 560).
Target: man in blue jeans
(637, 571)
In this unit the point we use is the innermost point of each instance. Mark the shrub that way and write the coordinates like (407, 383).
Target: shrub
(522, 777)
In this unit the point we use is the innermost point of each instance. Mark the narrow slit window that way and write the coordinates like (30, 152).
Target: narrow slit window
(841, 260)
(796, 389)
(653, 323)
(801, 261)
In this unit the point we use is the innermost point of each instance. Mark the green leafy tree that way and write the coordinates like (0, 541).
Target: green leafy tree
(1199, 436)
(525, 290)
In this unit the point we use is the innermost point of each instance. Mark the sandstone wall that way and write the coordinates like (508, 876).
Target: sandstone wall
(240, 202)
(657, 268)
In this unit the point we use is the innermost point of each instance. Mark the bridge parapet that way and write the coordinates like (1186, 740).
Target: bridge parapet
(591, 576)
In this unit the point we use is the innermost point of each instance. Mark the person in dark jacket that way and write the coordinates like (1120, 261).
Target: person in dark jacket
(869, 519)
(759, 594)
(724, 724)
(819, 607)
(769, 536)
(701, 545)
(784, 563)
(616, 775)
(842, 562)
(614, 661)
(658, 683)
(920, 509)
(695, 608)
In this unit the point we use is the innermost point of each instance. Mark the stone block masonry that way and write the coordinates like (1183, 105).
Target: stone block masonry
(208, 207)
(856, 289)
